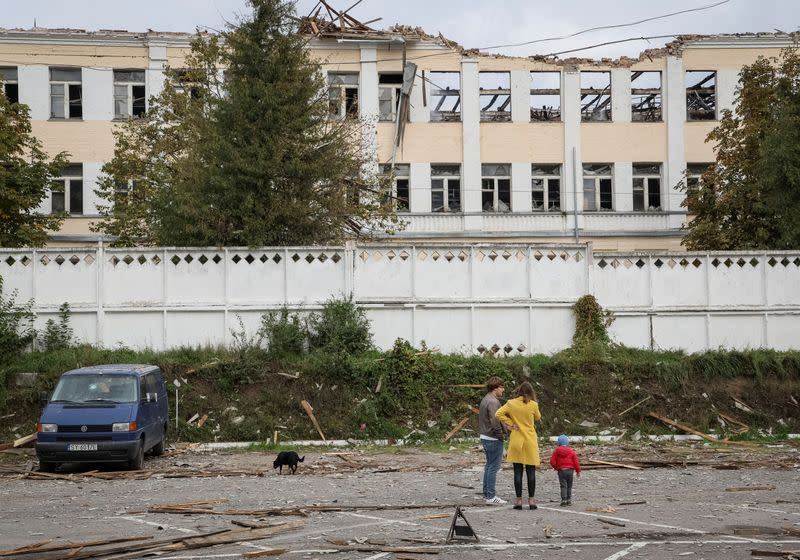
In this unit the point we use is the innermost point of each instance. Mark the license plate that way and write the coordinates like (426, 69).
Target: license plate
(82, 447)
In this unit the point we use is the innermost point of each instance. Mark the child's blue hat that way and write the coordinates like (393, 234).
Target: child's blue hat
(563, 440)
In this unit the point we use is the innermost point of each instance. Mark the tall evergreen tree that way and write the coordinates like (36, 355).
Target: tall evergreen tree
(750, 197)
(250, 156)
(26, 176)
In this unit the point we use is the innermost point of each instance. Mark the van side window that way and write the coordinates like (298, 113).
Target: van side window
(142, 389)
(152, 385)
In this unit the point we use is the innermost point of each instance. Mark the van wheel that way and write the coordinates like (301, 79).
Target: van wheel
(158, 449)
(45, 466)
(137, 463)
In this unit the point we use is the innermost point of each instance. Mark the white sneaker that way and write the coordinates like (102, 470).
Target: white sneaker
(496, 501)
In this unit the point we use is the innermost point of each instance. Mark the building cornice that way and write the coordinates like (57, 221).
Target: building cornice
(755, 41)
(93, 39)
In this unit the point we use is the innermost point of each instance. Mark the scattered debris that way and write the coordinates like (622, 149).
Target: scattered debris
(202, 421)
(588, 424)
(310, 411)
(193, 419)
(461, 486)
(647, 398)
(611, 521)
(636, 503)
(775, 553)
(742, 406)
(609, 463)
(682, 427)
(748, 488)
(743, 428)
(47, 547)
(266, 552)
(458, 427)
(606, 509)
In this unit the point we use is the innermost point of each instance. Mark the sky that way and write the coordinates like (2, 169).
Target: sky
(472, 23)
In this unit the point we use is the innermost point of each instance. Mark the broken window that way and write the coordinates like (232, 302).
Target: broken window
(496, 187)
(495, 96)
(597, 190)
(343, 95)
(701, 95)
(445, 96)
(129, 94)
(546, 187)
(646, 187)
(645, 96)
(8, 76)
(67, 191)
(446, 188)
(399, 194)
(65, 93)
(595, 96)
(545, 96)
(694, 175)
(187, 82)
(389, 87)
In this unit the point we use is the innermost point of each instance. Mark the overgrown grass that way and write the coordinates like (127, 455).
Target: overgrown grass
(408, 391)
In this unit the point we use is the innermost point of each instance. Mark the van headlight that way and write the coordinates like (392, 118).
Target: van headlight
(48, 427)
(123, 427)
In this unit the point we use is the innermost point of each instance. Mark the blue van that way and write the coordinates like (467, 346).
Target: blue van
(104, 414)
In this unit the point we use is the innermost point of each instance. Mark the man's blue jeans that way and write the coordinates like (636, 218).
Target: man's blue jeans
(494, 458)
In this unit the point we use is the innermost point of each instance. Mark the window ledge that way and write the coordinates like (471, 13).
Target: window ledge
(59, 119)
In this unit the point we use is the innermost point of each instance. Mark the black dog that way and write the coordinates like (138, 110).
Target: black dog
(289, 459)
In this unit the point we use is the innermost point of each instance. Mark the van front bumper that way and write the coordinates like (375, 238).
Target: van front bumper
(107, 452)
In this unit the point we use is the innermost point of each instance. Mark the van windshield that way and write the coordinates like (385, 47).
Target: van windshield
(84, 388)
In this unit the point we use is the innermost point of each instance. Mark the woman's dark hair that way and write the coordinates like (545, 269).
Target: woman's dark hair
(526, 392)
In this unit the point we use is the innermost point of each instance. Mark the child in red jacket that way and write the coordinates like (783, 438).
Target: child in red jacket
(565, 461)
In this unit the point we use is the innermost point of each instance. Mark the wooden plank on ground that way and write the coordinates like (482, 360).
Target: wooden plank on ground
(25, 440)
(748, 488)
(43, 547)
(610, 464)
(647, 398)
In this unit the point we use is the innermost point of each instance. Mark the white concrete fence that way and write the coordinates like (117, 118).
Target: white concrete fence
(457, 298)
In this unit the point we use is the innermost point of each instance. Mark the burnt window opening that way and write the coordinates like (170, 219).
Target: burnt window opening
(595, 96)
(446, 188)
(389, 89)
(445, 96)
(545, 187)
(8, 76)
(187, 82)
(495, 96)
(67, 191)
(646, 100)
(646, 187)
(701, 95)
(398, 197)
(66, 93)
(129, 94)
(343, 95)
(597, 187)
(496, 187)
(545, 96)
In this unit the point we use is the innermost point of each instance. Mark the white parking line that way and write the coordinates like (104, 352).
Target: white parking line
(153, 523)
(626, 520)
(625, 552)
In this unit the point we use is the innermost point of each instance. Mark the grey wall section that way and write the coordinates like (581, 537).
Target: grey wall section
(456, 298)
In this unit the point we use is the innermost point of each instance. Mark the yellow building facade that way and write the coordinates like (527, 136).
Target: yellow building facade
(483, 147)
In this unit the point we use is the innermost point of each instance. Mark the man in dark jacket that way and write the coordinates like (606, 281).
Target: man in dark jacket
(492, 435)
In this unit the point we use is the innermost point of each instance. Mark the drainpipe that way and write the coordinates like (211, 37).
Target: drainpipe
(575, 192)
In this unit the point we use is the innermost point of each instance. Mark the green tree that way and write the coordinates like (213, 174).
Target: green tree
(249, 157)
(26, 175)
(750, 198)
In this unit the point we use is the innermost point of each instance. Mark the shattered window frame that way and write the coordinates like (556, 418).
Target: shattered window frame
(495, 102)
(546, 187)
(647, 183)
(130, 94)
(66, 93)
(401, 176)
(541, 93)
(496, 187)
(701, 98)
(446, 188)
(343, 95)
(68, 198)
(444, 87)
(598, 187)
(389, 91)
(646, 100)
(694, 175)
(10, 79)
(185, 83)
(596, 96)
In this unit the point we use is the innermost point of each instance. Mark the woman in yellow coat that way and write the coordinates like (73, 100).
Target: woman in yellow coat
(519, 415)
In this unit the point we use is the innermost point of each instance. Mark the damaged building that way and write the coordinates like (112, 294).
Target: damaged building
(481, 147)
